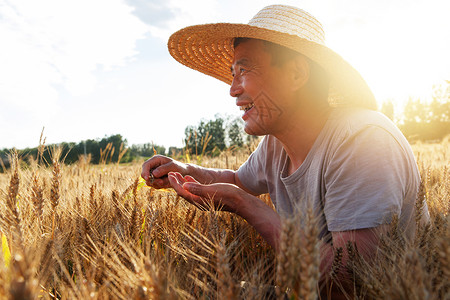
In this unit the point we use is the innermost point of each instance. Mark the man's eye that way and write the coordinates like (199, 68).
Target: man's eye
(240, 71)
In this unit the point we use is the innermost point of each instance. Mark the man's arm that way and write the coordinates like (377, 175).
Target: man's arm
(366, 242)
(230, 197)
(265, 220)
(160, 166)
(267, 223)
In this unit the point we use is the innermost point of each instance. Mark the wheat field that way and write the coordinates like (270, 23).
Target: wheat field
(87, 231)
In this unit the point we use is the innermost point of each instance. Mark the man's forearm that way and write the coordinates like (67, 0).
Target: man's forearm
(262, 217)
(209, 175)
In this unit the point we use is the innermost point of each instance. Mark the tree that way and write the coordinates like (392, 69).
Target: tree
(174, 152)
(428, 121)
(236, 133)
(116, 142)
(146, 150)
(190, 139)
(207, 137)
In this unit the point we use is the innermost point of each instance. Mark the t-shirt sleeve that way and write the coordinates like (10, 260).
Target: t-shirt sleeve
(365, 181)
(251, 173)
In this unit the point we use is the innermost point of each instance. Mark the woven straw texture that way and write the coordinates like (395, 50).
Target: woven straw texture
(208, 48)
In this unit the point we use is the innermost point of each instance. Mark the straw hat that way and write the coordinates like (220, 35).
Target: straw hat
(209, 49)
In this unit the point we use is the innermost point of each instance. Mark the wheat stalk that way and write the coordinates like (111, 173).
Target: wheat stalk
(226, 286)
(12, 216)
(37, 197)
(309, 259)
(55, 185)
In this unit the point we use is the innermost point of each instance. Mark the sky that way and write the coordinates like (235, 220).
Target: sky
(86, 69)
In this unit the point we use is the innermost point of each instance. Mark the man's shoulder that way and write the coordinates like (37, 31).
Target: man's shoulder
(349, 121)
(357, 118)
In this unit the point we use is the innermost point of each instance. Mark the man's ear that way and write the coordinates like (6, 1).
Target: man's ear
(300, 72)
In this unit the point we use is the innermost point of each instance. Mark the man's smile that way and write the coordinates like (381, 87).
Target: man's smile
(246, 107)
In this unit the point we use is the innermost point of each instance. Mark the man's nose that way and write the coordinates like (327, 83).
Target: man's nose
(236, 87)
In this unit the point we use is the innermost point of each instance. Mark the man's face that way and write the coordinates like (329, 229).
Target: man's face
(261, 89)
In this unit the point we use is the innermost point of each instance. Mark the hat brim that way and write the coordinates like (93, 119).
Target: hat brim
(209, 49)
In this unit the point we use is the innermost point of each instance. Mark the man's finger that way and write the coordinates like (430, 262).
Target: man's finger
(164, 169)
(147, 166)
(177, 185)
(190, 179)
(154, 163)
(179, 177)
(159, 183)
(174, 183)
(198, 189)
(145, 173)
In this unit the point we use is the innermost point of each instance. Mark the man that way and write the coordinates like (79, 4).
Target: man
(324, 146)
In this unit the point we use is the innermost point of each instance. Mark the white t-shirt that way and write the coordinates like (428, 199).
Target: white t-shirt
(359, 172)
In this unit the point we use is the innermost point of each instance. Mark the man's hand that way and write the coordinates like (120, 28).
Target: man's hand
(160, 166)
(230, 197)
(155, 172)
(220, 196)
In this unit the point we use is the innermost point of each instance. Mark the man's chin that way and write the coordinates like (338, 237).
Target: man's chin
(254, 130)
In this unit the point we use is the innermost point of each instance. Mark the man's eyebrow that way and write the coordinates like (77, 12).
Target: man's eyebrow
(243, 62)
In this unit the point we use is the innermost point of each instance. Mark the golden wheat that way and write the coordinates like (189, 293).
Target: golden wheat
(96, 231)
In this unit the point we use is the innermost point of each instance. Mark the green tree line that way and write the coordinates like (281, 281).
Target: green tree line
(111, 149)
(424, 120)
(209, 137)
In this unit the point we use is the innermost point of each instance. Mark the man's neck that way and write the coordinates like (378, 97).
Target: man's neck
(303, 131)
